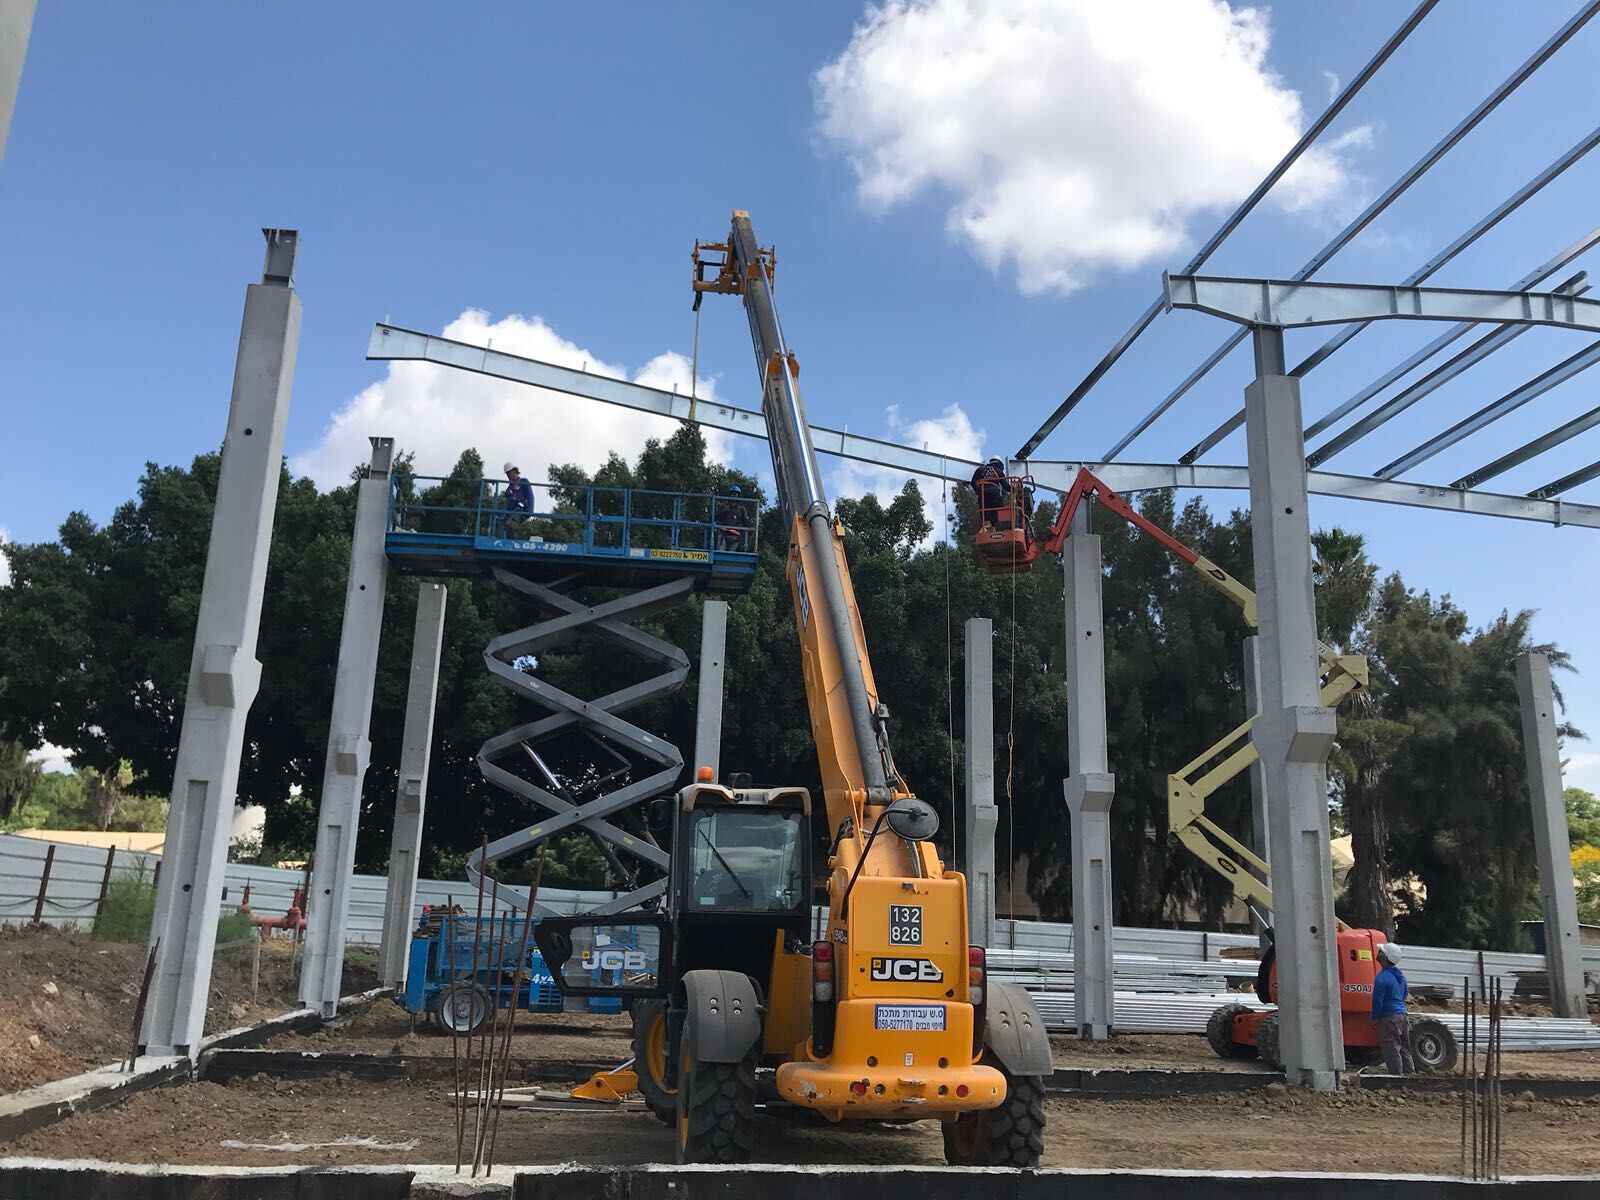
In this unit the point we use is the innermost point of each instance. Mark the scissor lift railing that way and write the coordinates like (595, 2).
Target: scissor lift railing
(655, 549)
(611, 534)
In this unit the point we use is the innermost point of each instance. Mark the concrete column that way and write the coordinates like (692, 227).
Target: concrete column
(708, 704)
(1090, 787)
(223, 672)
(1294, 731)
(16, 23)
(983, 817)
(1259, 841)
(405, 846)
(1557, 899)
(348, 748)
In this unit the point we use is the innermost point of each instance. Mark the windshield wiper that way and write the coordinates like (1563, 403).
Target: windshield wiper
(732, 874)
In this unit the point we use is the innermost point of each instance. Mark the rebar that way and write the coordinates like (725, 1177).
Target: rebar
(516, 997)
(479, 1110)
(451, 929)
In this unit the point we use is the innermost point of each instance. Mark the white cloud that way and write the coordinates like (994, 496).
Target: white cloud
(1071, 136)
(951, 432)
(1583, 771)
(437, 412)
(52, 758)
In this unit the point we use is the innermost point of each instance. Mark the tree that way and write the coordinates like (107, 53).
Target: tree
(1346, 583)
(1583, 816)
(19, 778)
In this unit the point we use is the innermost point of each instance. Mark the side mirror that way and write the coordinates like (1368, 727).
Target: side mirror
(913, 819)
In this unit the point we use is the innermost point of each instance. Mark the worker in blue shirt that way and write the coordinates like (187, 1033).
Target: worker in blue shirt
(518, 501)
(1389, 1012)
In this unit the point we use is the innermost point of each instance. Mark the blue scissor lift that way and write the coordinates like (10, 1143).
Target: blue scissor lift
(649, 550)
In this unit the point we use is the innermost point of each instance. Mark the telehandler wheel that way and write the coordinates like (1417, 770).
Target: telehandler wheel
(1009, 1136)
(1433, 1046)
(1219, 1032)
(1267, 1042)
(650, 1059)
(1363, 1056)
(716, 1107)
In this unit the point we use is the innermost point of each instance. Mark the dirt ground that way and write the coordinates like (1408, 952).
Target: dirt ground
(1352, 1131)
(67, 999)
(385, 1028)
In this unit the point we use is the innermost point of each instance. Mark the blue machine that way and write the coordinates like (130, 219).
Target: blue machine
(482, 983)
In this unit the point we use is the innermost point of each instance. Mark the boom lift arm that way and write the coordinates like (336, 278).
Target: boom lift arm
(1191, 785)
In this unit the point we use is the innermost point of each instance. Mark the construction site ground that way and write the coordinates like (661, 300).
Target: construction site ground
(261, 1121)
(67, 999)
(592, 1038)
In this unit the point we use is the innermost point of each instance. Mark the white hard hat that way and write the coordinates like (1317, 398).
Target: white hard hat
(1390, 953)
(510, 467)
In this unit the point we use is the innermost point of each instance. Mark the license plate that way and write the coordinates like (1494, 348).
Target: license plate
(916, 1017)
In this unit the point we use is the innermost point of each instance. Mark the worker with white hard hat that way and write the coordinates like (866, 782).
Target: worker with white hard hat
(518, 500)
(1389, 1012)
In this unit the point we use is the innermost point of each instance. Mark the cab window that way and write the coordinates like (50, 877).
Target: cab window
(746, 860)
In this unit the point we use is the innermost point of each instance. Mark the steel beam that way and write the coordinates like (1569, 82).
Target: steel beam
(1288, 304)
(393, 343)
(223, 672)
(1567, 368)
(1458, 363)
(1090, 787)
(1529, 450)
(708, 706)
(416, 745)
(1566, 482)
(1557, 899)
(1294, 732)
(1475, 231)
(982, 817)
(333, 863)
(1246, 206)
(1394, 191)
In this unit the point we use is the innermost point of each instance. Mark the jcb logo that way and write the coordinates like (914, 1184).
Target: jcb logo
(614, 960)
(906, 970)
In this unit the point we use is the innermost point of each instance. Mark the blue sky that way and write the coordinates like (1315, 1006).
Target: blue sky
(555, 161)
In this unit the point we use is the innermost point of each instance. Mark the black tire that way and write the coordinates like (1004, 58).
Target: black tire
(1267, 1042)
(1264, 975)
(463, 1008)
(649, 1059)
(715, 1111)
(1433, 1046)
(1011, 1135)
(1219, 1033)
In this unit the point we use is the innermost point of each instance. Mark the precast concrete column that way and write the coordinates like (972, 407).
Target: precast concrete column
(348, 747)
(1294, 732)
(1563, 949)
(405, 847)
(1259, 841)
(16, 23)
(223, 671)
(1090, 787)
(982, 817)
(708, 704)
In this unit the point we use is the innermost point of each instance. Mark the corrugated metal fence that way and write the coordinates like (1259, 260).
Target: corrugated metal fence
(1038, 952)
